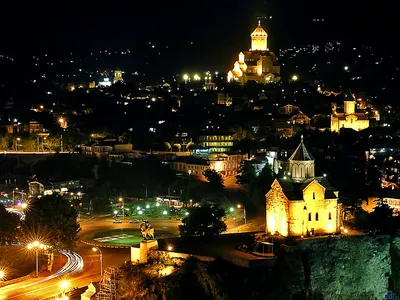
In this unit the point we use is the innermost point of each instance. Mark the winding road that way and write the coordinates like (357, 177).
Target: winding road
(83, 265)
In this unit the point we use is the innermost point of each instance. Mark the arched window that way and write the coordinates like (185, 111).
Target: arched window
(316, 216)
(309, 216)
(330, 216)
(313, 195)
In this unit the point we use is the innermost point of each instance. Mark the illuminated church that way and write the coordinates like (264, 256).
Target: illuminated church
(300, 204)
(349, 117)
(258, 64)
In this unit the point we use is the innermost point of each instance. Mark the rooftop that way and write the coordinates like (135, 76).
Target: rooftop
(301, 153)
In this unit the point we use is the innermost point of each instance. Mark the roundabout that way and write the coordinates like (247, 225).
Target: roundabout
(102, 232)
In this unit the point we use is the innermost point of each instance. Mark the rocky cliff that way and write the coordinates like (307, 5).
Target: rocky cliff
(346, 267)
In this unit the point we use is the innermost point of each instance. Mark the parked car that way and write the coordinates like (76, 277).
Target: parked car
(134, 221)
(117, 221)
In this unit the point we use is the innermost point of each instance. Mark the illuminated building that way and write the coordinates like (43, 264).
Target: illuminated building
(217, 142)
(224, 99)
(118, 76)
(226, 164)
(258, 64)
(106, 82)
(349, 118)
(300, 203)
(92, 84)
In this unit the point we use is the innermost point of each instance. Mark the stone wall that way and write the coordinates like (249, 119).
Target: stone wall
(347, 267)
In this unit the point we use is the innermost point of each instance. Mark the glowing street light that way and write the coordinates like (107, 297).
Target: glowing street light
(295, 77)
(64, 285)
(24, 205)
(186, 78)
(196, 77)
(95, 249)
(170, 248)
(244, 212)
(231, 209)
(140, 212)
(120, 199)
(165, 212)
(346, 68)
(36, 245)
(2, 274)
(147, 206)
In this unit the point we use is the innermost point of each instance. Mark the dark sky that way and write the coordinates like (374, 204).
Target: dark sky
(217, 28)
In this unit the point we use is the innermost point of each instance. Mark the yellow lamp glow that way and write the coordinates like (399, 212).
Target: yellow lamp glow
(2, 274)
(64, 284)
(294, 77)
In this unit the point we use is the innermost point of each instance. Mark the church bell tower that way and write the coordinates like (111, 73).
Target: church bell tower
(259, 39)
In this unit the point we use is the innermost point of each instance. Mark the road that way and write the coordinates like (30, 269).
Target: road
(34, 289)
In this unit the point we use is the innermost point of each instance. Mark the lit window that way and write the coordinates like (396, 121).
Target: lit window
(313, 195)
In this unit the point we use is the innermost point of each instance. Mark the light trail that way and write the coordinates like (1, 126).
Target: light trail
(74, 265)
(18, 212)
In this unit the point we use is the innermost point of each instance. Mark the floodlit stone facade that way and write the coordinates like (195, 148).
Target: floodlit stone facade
(301, 204)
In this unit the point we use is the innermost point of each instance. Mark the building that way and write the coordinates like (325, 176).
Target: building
(224, 99)
(259, 63)
(217, 142)
(107, 147)
(118, 76)
(300, 203)
(392, 199)
(349, 118)
(227, 164)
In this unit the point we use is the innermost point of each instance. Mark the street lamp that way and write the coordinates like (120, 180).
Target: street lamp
(231, 209)
(120, 199)
(101, 259)
(2, 275)
(36, 245)
(295, 77)
(186, 78)
(16, 143)
(63, 125)
(244, 212)
(64, 285)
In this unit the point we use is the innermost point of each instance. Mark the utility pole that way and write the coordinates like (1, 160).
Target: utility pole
(61, 141)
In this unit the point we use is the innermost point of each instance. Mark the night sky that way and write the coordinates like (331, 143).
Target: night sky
(218, 29)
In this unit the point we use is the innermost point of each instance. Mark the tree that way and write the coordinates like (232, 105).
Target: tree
(382, 218)
(260, 186)
(214, 178)
(247, 174)
(55, 219)
(8, 226)
(203, 221)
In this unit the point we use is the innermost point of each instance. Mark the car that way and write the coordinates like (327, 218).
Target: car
(134, 221)
(117, 221)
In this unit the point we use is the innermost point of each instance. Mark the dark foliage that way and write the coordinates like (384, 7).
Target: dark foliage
(202, 221)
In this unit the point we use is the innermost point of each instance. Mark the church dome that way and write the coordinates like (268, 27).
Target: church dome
(259, 31)
(301, 153)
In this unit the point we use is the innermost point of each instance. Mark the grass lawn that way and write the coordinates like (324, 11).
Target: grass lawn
(135, 236)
